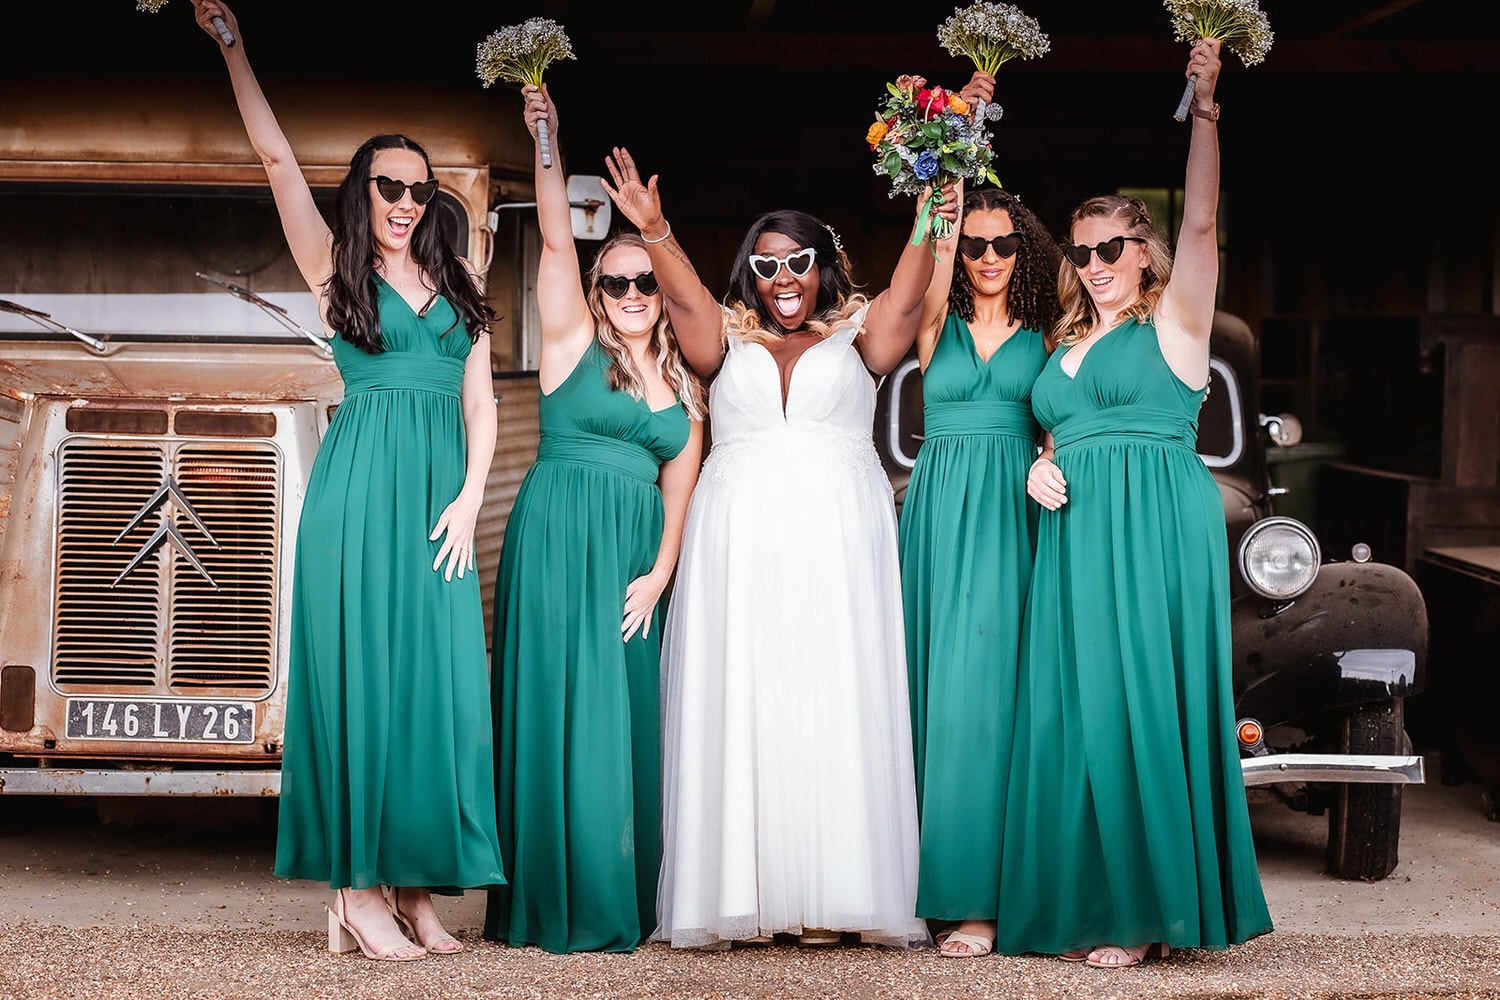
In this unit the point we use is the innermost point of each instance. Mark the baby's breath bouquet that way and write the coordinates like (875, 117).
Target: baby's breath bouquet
(992, 34)
(155, 6)
(518, 54)
(1239, 25)
(927, 135)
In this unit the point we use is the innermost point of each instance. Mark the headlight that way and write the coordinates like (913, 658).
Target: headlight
(1279, 557)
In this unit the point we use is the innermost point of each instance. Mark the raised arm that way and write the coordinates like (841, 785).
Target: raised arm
(1187, 308)
(935, 302)
(697, 318)
(306, 232)
(893, 318)
(567, 327)
(677, 479)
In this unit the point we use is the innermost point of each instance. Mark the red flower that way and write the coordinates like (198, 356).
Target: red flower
(932, 103)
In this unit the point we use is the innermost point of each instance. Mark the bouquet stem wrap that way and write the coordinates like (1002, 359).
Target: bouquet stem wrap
(1187, 98)
(518, 54)
(928, 221)
(1238, 25)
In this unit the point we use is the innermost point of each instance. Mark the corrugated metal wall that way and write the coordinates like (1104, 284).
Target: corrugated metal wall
(515, 449)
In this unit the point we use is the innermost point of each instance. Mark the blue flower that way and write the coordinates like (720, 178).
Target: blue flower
(926, 167)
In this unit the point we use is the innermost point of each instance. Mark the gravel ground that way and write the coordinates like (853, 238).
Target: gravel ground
(48, 963)
(191, 910)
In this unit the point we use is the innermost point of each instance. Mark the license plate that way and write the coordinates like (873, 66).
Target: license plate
(174, 721)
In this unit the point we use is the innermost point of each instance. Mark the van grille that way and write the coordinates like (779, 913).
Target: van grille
(163, 627)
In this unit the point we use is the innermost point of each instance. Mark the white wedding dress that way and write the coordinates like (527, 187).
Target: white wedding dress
(788, 790)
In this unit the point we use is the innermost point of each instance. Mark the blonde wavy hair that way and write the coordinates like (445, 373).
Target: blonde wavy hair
(1078, 313)
(623, 375)
(743, 322)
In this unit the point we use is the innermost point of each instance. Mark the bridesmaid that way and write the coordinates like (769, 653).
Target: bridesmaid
(387, 786)
(1127, 832)
(589, 548)
(967, 534)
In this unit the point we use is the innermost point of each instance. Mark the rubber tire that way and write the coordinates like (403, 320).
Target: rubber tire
(1364, 820)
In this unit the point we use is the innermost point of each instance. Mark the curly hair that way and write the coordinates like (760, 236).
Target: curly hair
(1078, 312)
(351, 286)
(747, 316)
(623, 375)
(1031, 297)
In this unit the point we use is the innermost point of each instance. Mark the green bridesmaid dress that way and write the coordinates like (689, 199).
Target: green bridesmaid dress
(577, 711)
(967, 532)
(387, 775)
(1126, 820)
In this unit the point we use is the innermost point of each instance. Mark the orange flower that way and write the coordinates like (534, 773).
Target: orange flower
(956, 105)
(876, 133)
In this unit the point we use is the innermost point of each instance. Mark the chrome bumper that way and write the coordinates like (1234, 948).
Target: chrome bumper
(75, 781)
(1332, 768)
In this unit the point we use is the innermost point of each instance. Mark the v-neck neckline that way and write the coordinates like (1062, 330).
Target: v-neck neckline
(1063, 357)
(974, 344)
(791, 375)
(417, 314)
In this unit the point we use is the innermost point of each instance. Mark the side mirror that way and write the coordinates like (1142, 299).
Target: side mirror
(590, 207)
(1283, 429)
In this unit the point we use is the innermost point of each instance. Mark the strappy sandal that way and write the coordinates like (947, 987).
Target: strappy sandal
(410, 926)
(344, 938)
(978, 946)
(1135, 957)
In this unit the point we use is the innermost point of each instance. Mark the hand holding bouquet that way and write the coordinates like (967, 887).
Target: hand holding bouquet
(992, 34)
(154, 7)
(1239, 25)
(518, 54)
(925, 136)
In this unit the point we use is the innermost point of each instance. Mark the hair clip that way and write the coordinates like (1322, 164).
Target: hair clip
(838, 244)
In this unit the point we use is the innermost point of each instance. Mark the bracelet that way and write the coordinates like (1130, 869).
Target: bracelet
(1198, 112)
(659, 238)
(1039, 458)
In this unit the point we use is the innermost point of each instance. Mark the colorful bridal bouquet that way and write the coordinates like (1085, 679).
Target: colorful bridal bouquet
(518, 54)
(1239, 25)
(928, 136)
(992, 34)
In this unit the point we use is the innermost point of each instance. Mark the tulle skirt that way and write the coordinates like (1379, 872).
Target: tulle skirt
(789, 796)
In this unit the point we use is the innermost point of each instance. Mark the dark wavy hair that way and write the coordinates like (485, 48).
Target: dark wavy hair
(1032, 295)
(351, 286)
(835, 285)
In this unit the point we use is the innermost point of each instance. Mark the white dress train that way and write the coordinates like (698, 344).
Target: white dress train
(788, 792)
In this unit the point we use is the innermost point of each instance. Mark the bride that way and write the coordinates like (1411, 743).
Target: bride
(788, 787)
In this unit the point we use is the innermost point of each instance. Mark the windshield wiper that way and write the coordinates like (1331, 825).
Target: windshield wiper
(271, 309)
(46, 322)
